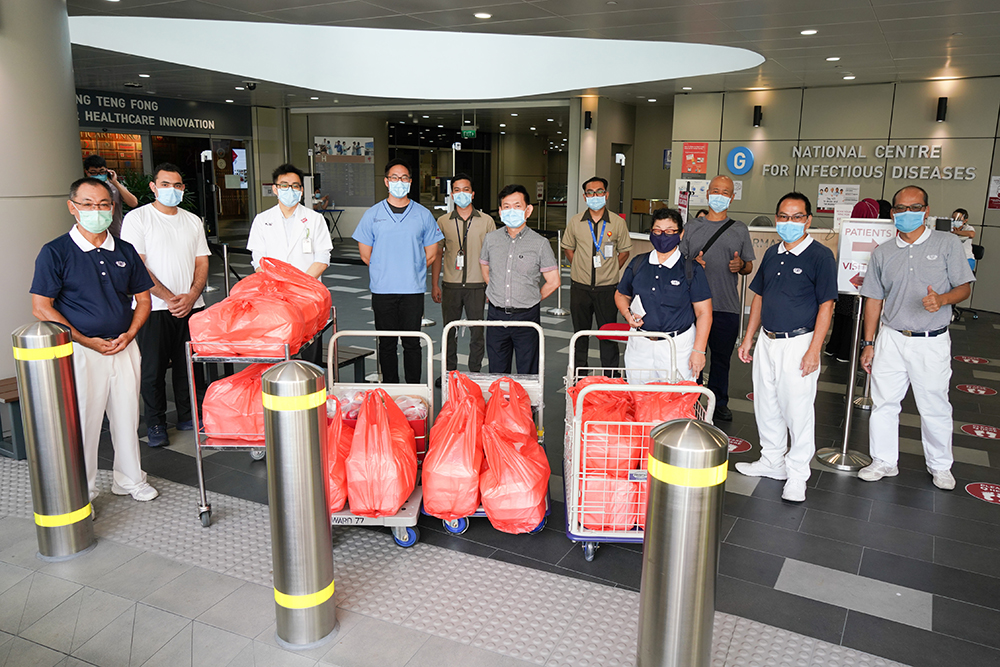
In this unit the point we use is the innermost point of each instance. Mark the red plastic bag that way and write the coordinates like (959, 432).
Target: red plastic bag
(509, 409)
(611, 449)
(604, 406)
(233, 407)
(459, 387)
(267, 322)
(453, 464)
(609, 503)
(277, 278)
(661, 407)
(335, 460)
(382, 465)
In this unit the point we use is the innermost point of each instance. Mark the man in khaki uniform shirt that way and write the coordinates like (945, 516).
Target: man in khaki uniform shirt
(597, 245)
(464, 230)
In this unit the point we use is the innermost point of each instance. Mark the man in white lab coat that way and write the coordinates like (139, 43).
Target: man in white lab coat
(289, 231)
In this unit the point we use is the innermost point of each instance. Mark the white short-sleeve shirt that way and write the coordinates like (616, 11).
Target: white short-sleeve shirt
(273, 235)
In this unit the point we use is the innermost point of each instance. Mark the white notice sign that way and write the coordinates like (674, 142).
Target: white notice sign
(830, 195)
(858, 238)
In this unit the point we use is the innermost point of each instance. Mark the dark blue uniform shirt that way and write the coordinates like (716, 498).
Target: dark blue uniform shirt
(794, 286)
(92, 290)
(666, 293)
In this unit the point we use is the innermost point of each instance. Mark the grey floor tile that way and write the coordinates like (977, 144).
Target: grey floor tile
(93, 565)
(14, 530)
(346, 621)
(23, 652)
(896, 603)
(375, 643)
(265, 655)
(32, 598)
(246, 611)
(193, 592)
(741, 484)
(10, 575)
(152, 630)
(140, 576)
(177, 652)
(112, 646)
(440, 652)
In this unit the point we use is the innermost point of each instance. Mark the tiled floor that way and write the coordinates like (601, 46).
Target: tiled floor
(896, 569)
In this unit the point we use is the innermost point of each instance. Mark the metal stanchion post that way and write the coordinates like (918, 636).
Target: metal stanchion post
(294, 395)
(680, 554)
(46, 386)
(843, 458)
(225, 265)
(743, 310)
(559, 311)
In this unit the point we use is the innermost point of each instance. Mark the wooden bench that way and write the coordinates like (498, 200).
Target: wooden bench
(13, 448)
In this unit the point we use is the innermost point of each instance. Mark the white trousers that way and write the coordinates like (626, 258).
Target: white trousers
(649, 360)
(924, 364)
(110, 384)
(783, 403)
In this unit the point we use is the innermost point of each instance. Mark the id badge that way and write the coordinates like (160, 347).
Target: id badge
(307, 246)
(597, 261)
(608, 250)
(460, 261)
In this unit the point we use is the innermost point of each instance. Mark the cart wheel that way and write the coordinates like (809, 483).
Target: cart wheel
(206, 518)
(538, 528)
(257, 453)
(589, 549)
(456, 527)
(412, 536)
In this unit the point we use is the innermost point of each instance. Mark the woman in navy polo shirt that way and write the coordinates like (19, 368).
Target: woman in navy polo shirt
(662, 292)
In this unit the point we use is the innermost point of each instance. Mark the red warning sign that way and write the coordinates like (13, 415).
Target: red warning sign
(971, 360)
(750, 396)
(982, 431)
(979, 390)
(738, 446)
(984, 491)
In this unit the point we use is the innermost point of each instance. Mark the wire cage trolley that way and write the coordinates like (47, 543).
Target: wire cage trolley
(534, 386)
(404, 523)
(605, 462)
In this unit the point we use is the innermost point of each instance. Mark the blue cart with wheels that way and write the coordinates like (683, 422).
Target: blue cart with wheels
(534, 385)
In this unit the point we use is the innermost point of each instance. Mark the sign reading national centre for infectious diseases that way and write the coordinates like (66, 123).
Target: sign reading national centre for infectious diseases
(858, 238)
(740, 160)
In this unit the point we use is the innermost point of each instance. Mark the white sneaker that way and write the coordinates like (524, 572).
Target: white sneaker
(143, 492)
(943, 479)
(795, 491)
(760, 469)
(94, 494)
(877, 470)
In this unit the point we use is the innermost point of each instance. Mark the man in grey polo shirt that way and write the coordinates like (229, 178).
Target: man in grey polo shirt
(512, 260)
(911, 284)
(729, 255)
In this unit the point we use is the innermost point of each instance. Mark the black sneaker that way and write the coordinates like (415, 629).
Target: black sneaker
(157, 436)
(723, 413)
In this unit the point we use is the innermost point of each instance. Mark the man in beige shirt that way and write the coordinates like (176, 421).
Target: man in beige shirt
(597, 245)
(463, 287)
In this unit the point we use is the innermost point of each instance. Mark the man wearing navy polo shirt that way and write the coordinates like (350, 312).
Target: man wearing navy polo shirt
(86, 279)
(794, 293)
(398, 240)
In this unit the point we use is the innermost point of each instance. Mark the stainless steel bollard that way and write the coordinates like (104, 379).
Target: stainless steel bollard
(294, 395)
(680, 554)
(46, 386)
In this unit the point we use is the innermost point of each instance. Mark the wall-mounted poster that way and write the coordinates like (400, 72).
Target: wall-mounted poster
(698, 189)
(831, 195)
(694, 163)
(346, 169)
(993, 197)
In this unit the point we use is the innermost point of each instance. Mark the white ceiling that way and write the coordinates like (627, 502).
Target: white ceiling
(876, 40)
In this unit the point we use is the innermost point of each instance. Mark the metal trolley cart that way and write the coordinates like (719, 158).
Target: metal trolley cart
(534, 385)
(404, 523)
(590, 492)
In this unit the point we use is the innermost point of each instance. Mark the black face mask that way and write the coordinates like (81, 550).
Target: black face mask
(664, 242)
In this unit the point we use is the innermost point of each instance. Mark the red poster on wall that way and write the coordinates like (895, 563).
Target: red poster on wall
(694, 163)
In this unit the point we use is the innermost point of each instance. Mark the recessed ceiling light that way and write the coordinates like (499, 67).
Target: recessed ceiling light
(513, 114)
(833, 59)
(143, 76)
(560, 132)
(551, 120)
(808, 32)
(314, 98)
(483, 15)
(335, 101)
(230, 101)
(425, 116)
(467, 122)
(440, 125)
(531, 128)
(242, 88)
(686, 88)
(849, 77)
(503, 133)
(503, 124)
(651, 99)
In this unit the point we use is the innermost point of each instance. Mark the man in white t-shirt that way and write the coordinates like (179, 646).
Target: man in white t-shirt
(289, 231)
(172, 244)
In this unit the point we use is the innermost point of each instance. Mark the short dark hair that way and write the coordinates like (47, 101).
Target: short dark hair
(668, 214)
(907, 187)
(592, 179)
(397, 162)
(94, 162)
(87, 180)
(166, 166)
(288, 169)
(964, 213)
(514, 188)
(797, 196)
(460, 176)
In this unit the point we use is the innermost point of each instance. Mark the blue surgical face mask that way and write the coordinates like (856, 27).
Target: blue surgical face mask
(512, 217)
(399, 189)
(289, 197)
(718, 203)
(908, 221)
(462, 199)
(101, 177)
(169, 196)
(596, 203)
(790, 232)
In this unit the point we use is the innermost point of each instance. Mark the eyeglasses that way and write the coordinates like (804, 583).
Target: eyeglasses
(398, 179)
(661, 232)
(784, 217)
(284, 187)
(916, 208)
(102, 206)
(595, 193)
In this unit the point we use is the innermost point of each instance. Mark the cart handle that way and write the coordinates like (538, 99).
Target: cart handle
(331, 361)
(487, 323)
(660, 388)
(632, 333)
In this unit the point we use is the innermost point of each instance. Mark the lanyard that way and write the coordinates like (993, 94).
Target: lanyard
(597, 239)
(393, 215)
(463, 239)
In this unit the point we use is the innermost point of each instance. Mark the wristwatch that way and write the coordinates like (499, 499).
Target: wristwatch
(867, 343)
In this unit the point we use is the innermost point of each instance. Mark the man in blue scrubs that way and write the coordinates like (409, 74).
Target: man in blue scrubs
(398, 239)
(794, 293)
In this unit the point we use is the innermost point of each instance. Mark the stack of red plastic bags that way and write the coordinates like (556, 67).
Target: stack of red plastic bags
(276, 305)
(490, 455)
(610, 500)
(233, 409)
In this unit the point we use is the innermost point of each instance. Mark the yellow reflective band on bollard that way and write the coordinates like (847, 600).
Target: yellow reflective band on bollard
(43, 353)
(57, 520)
(693, 477)
(303, 601)
(290, 403)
